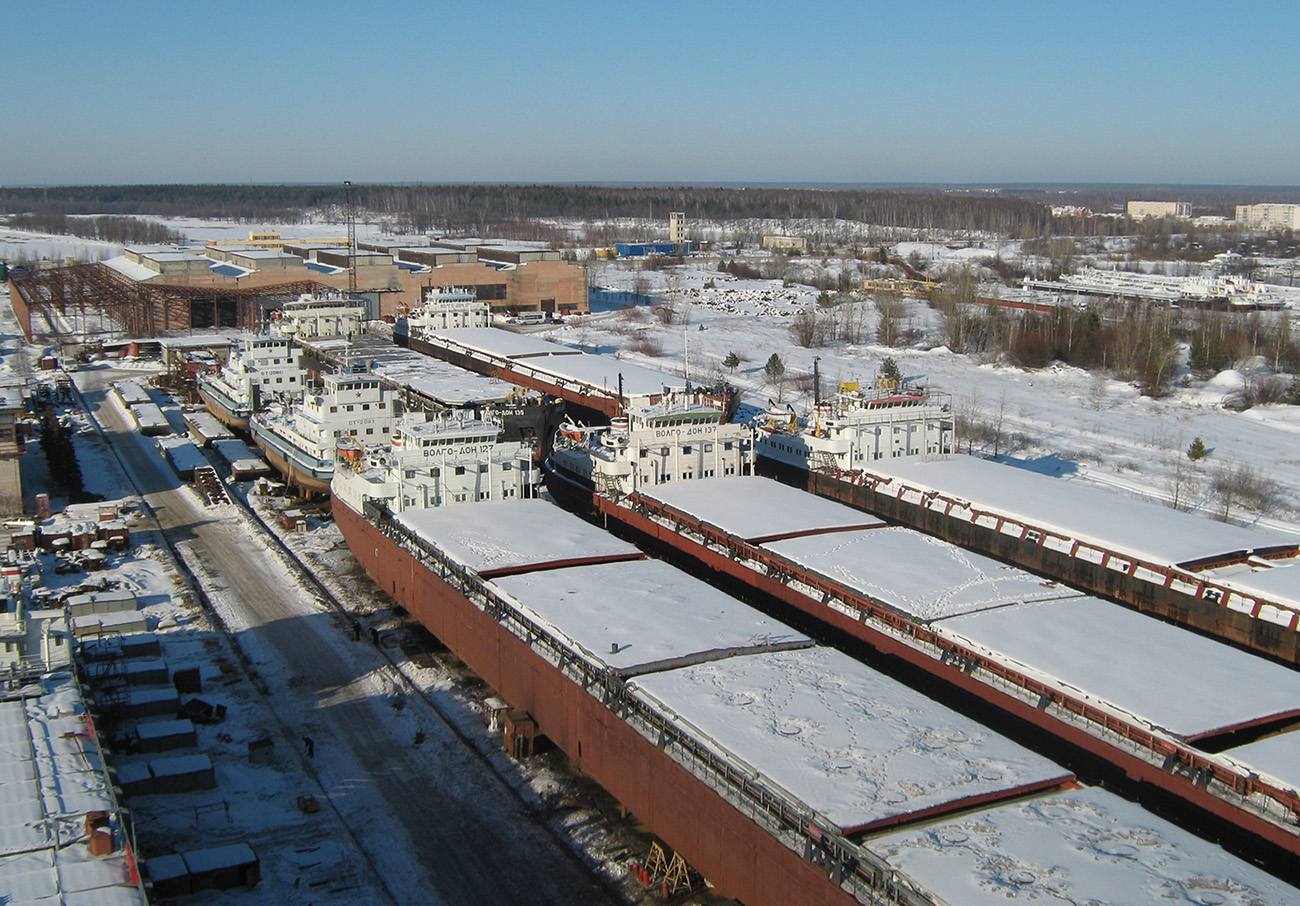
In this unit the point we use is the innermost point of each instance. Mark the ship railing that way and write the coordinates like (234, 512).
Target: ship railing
(868, 877)
(1243, 788)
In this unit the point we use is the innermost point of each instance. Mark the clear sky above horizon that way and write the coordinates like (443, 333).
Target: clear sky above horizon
(927, 92)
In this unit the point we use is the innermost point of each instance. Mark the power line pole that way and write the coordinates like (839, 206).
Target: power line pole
(352, 236)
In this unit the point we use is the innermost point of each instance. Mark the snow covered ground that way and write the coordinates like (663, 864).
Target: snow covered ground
(1059, 420)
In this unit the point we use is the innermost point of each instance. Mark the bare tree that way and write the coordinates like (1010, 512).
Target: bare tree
(889, 327)
(1181, 482)
(1236, 485)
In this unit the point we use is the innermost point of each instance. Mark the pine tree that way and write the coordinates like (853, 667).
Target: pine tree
(1197, 450)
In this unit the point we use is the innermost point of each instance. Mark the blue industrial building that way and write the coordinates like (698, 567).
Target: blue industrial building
(641, 249)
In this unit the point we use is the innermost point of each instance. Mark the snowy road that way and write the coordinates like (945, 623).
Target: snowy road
(435, 823)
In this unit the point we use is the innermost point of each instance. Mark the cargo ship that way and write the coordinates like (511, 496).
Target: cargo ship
(1092, 674)
(781, 770)
(1238, 584)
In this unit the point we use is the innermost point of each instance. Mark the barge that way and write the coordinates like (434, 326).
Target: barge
(784, 771)
(1236, 584)
(1092, 674)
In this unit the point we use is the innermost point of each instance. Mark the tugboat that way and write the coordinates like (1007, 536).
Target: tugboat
(259, 370)
(301, 440)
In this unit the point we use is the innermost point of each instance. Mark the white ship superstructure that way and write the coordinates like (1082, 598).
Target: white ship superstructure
(452, 459)
(260, 370)
(320, 317)
(679, 438)
(856, 428)
(445, 308)
(301, 441)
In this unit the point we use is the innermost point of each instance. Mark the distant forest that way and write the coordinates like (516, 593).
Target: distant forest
(115, 228)
(1016, 212)
(479, 208)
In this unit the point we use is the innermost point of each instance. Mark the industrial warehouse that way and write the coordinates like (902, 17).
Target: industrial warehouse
(152, 289)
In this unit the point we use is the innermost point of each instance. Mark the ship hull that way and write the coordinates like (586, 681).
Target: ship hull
(304, 477)
(737, 856)
(221, 410)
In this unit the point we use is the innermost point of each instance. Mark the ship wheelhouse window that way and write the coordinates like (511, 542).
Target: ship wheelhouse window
(482, 467)
(726, 445)
(506, 467)
(644, 452)
(686, 449)
(334, 408)
(460, 470)
(708, 448)
(365, 407)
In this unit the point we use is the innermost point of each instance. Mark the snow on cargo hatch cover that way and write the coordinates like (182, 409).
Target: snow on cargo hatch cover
(1277, 756)
(511, 534)
(856, 746)
(1078, 846)
(1078, 510)
(1133, 661)
(648, 610)
(751, 507)
(924, 577)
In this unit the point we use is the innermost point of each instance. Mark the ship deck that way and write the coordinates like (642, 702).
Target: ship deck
(1092, 672)
(1074, 510)
(438, 382)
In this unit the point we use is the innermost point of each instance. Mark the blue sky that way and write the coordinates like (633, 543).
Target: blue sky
(692, 93)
